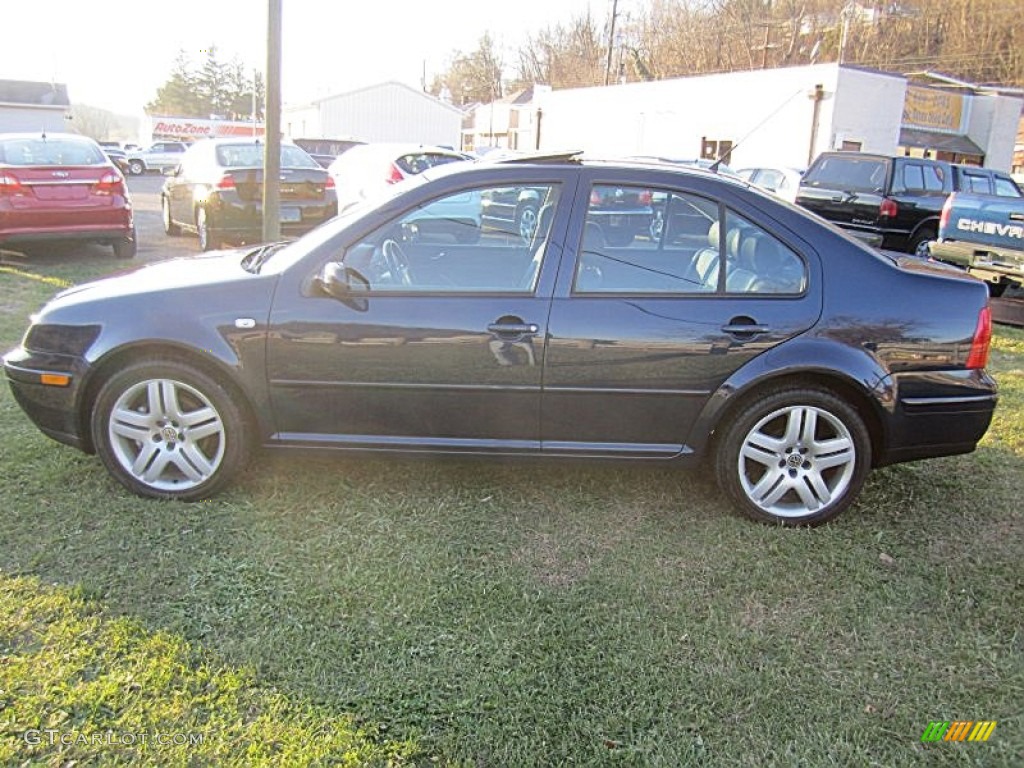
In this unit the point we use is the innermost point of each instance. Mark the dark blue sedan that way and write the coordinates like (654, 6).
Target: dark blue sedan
(740, 331)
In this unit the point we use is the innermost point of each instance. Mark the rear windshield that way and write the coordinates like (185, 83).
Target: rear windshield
(33, 151)
(418, 162)
(251, 156)
(849, 174)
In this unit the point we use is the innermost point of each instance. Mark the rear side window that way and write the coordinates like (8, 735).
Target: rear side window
(975, 182)
(251, 156)
(418, 162)
(50, 152)
(920, 178)
(659, 242)
(848, 173)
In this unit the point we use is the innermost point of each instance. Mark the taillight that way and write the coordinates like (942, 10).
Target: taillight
(944, 217)
(110, 183)
(329, 184)
(888, 208)
(9, 184)
(595, 197)
(644, 198)
(978, 357)
(394, 174)
(227, 181)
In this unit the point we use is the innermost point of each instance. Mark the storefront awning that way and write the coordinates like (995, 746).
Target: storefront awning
(939, 142)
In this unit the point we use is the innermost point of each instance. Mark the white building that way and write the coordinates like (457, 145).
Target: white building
(27, 106)
(781, 116)
(390, 111)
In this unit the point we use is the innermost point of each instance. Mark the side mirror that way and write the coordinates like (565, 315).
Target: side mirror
(344, 284)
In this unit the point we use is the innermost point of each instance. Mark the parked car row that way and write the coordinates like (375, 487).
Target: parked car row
(892, 202)
(759, 339)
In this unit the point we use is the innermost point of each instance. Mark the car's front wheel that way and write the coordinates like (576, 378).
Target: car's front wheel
(795, 457)
(136, 168)
(169, 430)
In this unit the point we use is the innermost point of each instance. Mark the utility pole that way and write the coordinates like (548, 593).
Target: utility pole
(611, 41)
(272, 134)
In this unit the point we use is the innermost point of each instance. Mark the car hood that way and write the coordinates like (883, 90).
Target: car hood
(214, 268)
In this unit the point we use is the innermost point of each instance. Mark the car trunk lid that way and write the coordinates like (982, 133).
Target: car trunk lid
(35, 186)
(295, 183)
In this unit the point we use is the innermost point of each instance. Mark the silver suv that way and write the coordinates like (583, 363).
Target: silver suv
(156, 157)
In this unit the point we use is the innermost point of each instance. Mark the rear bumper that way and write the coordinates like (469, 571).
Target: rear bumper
(983, 261)
(237, 217)
(109, 223)
(938, 413)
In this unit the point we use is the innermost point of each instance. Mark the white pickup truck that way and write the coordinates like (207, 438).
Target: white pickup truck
(156, 157)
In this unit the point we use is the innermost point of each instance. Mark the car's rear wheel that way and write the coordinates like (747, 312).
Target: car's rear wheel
(795, 457)
(170, 227)
(168, 430)
(126, 247)
(136, 168)
(209, 239)
(919, 243)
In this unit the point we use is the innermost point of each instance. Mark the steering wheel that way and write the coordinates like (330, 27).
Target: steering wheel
(397, 262)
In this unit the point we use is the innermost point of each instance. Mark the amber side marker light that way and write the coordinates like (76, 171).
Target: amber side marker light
(55, 379)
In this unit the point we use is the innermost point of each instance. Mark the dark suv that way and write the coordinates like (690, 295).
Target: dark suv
(890, 202)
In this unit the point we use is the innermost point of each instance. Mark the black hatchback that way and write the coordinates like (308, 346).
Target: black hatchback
(217, 192)
(743, 332)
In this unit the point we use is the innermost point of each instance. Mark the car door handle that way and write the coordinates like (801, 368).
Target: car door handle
(513, 329)
(744, 327)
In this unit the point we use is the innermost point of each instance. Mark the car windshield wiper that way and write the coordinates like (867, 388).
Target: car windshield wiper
(256, 258)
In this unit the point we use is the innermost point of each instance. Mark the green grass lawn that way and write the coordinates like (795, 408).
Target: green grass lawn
(339, 611)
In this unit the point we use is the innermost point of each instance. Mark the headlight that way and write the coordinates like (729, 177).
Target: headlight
(61, 339)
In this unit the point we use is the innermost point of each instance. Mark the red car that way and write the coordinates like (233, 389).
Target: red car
(62, 186)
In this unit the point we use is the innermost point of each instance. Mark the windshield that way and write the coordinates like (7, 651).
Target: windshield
(50, 152)
(251, 156)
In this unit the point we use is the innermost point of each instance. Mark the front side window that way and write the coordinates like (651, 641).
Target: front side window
(658, 242)
(1006, 188)
(445, 246)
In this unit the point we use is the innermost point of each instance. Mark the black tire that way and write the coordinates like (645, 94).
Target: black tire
(209, 238)
(136, 167)
(127, 247)
(170, 228)
(995, 290)
(918, 244)
(793, 457)
(141, 423)
(618, 237)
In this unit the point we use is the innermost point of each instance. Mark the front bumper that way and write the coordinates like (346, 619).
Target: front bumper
(51, 407)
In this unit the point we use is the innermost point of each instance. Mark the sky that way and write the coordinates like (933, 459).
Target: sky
(114, 54)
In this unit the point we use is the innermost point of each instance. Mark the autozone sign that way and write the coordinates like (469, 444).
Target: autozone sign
(196, 128)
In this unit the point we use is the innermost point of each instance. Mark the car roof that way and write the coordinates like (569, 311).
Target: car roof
(46, 135)
(579, 159)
